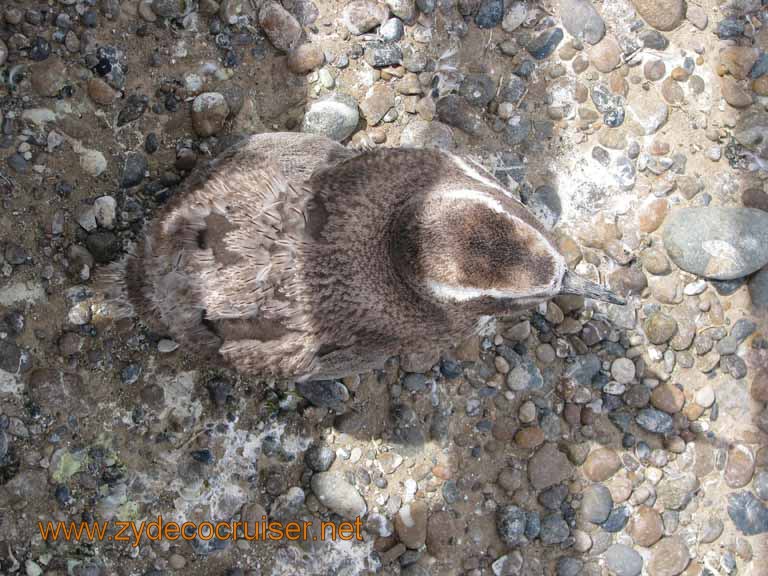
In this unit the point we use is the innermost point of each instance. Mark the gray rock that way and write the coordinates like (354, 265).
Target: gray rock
(381, 54)
(525, 376)
(752, 132)
(761, 484)
(723, 243)
(596, 503)
(338, 495)
(545, 43)
(623, 560)
(490, 13)
(457, 112)
(663, 15)
(134, 169)
(758, 289)
(510, 525)
(423, 134)
(740, 331)
(335, 116)
(330, 394)
(655, 421)
(554, 529)
(319, 457)
(568, 566)
(675, 492)
(582, 21)
(392, 30)
(478, 89)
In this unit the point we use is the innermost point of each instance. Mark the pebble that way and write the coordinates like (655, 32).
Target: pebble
(675, 492)
(748, 514)
(648, 110)
(548, 467)
(669, 557)
(596, 504)
(717, 242)
(734, 93)
(105, 211)
(622, 560)
(361, 16)
(134, 108)
(672, 91)
(166, 346)
(606, 55)
(411, 524)
(392, 30)
(740, 466)
(741, 330)
(710, 530)
(697, 16)
(646, 527)
(134, 170)
(705, 396)
(655, 421)
(761, 484)
(335, 116)
(336, 494)
(381, 54)
(511, 524)
(478, 89)
(319, 457)
(3, 52)
(209, 113)
(306, 58)
(660, 328)
(601, 464)
(101, 92)
(49, 77)
(515, 16)
(668, 397)
(651, 214)
(545, 43)
(490, 13)
(623, 370)
(455, 111)
(663, 15)
(330, 394)
(554, 529)
(280, 26)
(582, 21)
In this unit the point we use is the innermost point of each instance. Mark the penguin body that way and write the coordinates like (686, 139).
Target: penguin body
(290, 256)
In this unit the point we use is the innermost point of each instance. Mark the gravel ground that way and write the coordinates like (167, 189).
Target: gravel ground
(580, 438)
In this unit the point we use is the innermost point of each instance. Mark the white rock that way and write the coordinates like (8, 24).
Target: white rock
(166, 346)
(86, 217)
(705, 397)
(92, 162)
(105, 209)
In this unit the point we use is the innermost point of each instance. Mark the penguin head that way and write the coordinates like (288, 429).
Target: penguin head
(484, 249)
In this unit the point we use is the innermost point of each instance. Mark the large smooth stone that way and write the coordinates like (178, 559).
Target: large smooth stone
(582, 20)
(717, 242)
(663, 15)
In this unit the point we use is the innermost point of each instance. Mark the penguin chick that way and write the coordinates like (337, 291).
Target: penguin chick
(290, 256)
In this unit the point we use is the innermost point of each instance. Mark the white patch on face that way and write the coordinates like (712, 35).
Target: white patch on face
(449, 293)
(476, 197)
(475, 175)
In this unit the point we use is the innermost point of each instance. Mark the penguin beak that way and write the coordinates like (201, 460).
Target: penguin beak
(573, 284)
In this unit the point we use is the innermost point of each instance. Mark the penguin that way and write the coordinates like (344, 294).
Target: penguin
(290, 256)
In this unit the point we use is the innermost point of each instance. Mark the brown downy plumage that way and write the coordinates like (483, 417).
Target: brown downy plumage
(290, 256)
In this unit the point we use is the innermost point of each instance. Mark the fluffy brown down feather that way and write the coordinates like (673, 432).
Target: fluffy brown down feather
(293, 257)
